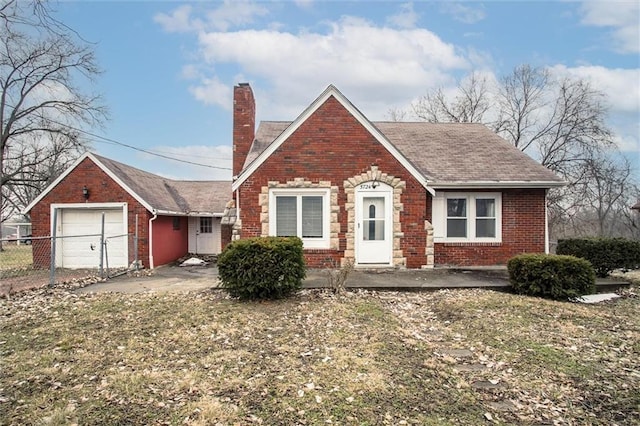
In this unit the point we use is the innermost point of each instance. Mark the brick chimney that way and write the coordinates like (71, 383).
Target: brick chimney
(244, 124)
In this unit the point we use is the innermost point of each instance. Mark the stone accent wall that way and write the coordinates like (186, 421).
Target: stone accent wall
(429, 249)
(398, 185)
(334, 224)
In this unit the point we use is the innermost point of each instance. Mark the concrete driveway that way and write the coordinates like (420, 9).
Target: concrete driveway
(195, 278)
(162, 279)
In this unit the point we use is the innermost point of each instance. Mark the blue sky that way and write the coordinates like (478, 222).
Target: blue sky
(169, 67)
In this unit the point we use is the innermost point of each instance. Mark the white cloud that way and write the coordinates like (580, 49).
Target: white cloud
(211, 91)
(620, 85)
(234, 13)
(231, 13)
(406, 18)
(463, 13)
(622, 16)
(375, 66)
(178, 21)
(304, 4)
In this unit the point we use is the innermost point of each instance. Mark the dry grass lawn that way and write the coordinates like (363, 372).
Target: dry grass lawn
(365, 358)
(15, 256)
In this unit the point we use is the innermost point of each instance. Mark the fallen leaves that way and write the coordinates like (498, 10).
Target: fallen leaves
(456, 356)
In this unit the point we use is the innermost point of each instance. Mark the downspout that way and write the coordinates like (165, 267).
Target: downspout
(155, 216)
(237, 204)
(546, 223)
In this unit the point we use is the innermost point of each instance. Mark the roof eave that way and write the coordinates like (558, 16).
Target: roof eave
(497, 184)
(188, 214)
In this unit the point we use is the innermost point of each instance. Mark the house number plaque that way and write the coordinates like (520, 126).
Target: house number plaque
(369, 185)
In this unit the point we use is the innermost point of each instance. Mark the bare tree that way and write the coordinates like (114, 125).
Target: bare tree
(520, 98)
(608, 184)
(42, 105)
(396, 114)
(34, 164)
(469, 105)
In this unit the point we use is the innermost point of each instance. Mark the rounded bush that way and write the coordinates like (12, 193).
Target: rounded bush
(551, 276)
(262, 268)
(605, 254)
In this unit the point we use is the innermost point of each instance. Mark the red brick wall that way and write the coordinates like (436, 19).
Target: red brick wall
(244, 124)
(102, 189)
(523, 231)
(226, 232)
(332, 145)
(169, 244)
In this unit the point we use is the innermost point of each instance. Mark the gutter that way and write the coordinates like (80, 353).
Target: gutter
(189, 214)
(498, 185)
(155, 216)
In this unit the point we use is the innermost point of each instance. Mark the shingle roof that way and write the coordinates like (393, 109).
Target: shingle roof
(445, 153)
(267, 132)
(168, 195)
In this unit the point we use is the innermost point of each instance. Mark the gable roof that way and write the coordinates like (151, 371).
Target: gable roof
(330, 91)
(157, 194)
(444, 155)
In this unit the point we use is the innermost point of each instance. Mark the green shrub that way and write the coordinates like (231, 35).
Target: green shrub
(605, 254)
(551, 276)
(262, 268)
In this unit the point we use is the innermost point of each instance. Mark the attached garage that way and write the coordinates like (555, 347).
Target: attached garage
(170, 218)
(80, 228)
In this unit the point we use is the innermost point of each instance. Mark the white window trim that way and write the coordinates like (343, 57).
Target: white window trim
(440, 217)
(308, 243)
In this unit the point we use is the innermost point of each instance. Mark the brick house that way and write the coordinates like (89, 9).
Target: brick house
(389, 194)
(173, 217)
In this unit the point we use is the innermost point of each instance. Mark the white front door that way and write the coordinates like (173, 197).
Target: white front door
(374, 224)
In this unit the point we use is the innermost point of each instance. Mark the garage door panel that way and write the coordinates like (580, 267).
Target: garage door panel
(82, 228)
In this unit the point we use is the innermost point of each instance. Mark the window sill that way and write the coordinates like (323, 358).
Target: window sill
(449, 243)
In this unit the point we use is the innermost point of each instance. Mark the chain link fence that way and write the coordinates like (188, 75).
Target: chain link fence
(38, 261)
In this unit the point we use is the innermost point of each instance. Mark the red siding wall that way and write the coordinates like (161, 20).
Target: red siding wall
(102, 189)
(169, 244)
(333, 145)
(523, 231)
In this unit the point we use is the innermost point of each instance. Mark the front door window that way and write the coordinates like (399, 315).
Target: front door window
(373, 218)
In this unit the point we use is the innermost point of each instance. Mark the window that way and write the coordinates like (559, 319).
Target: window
(176, 223)
(485, 218)
(304, 214)
(456, 217)
(206, 225)
(373, 220)
(473, 217)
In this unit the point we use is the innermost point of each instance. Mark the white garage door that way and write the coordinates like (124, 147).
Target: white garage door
(84, 251)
